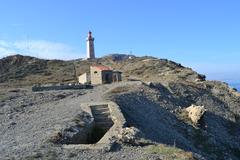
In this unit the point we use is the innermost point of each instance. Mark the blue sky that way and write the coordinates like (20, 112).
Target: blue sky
(203, 34)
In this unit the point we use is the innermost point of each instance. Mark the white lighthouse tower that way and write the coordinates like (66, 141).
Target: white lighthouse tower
(90, 46)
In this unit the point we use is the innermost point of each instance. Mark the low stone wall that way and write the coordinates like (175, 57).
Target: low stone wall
(60, 87)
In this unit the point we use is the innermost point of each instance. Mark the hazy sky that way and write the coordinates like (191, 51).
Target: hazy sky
(203, 34)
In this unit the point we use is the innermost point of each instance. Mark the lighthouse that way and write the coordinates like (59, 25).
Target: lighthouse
(90, 46)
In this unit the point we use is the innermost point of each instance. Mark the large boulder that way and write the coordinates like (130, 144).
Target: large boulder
(195, 113)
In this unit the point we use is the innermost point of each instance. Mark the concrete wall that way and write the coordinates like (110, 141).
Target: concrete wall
(84, 78)
(107, 140)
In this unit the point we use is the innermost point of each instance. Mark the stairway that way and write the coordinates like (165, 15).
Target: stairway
(102, 117)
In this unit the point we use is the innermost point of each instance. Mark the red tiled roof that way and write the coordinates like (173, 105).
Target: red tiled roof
(102, 68)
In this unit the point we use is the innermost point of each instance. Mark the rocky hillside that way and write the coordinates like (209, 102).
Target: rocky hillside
(158, 111)
(157, 107)
(25, 70)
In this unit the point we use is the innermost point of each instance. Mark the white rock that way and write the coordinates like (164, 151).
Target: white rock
(195, 113)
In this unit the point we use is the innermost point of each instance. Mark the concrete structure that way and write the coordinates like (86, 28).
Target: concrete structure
(107, 116)
(100, 75)
(84, 78)
(90, 46)
(117, 76)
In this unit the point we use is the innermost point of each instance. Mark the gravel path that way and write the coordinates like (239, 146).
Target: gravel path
(28, 119)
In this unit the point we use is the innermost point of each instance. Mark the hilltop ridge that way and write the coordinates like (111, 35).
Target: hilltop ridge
(26, 70)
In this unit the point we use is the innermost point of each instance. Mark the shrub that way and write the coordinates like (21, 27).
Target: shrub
(169, 152)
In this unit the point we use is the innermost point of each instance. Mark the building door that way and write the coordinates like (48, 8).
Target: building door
(107, 78)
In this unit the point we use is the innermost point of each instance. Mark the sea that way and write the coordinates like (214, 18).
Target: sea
(235, 85)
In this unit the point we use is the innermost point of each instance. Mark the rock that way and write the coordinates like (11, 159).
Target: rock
(195, 113)
(130, 135)
(61, 96)
(10, 116)
(198, 156)
(15, 90)
(198, 80)
(150, 84)
(13, 123)
(78, 131)
(55, 137)
(201, 77)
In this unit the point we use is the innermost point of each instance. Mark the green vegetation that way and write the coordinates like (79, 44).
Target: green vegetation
(169, 153)
(3, 97)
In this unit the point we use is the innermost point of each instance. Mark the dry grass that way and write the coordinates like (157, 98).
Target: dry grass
(183, 115)
(119, 90)
(170, 153)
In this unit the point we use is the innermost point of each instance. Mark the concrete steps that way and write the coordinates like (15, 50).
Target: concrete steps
(102, 117)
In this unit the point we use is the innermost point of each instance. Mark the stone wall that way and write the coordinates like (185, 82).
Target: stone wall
(104, 76)
(59, 87)
(96, 76)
